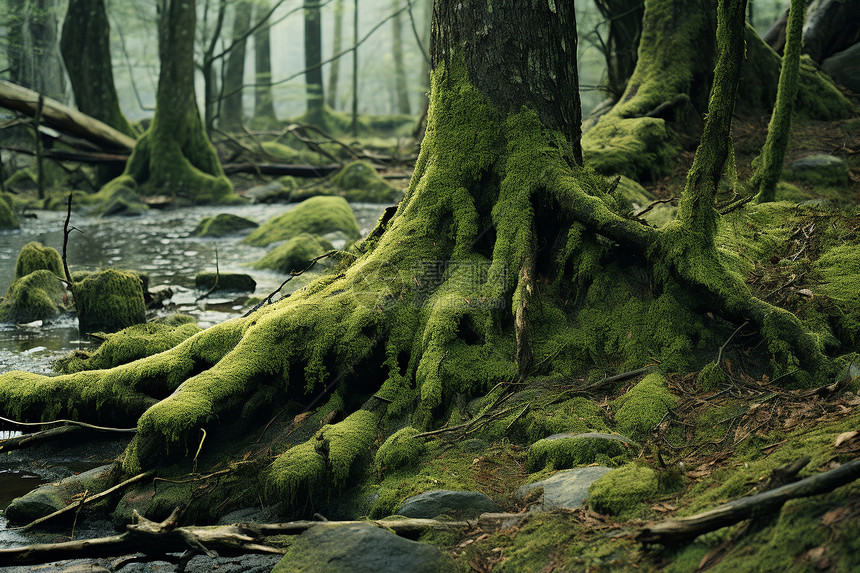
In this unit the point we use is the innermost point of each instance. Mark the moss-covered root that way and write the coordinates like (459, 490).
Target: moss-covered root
(325, 463)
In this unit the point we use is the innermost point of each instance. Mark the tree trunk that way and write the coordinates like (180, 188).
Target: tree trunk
(264, 106)
(354, 127)
(624, 19)
(85, 45)
(313, 64)
(210, 80)
(337, 45)
(399, 67)
(174, 156)
(231, 115)
(34, 57)
(668, 91)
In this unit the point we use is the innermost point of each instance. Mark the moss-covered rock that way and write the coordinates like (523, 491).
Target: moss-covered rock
(222, 225)
(8, 219)
(295, 254)
(624, 489)
(358, 181)
(562, 451)
(642, 407)
(52, 497)
(819, 169)
(37, 296)
(287, 154)
(127, 345)
(34, 257)
(238, 282)
(119, 197)
(109, 300)
(317, 215)
(401, 450)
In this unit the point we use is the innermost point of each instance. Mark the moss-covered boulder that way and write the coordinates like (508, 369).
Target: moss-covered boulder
(642, 407)
(109, 300)
(287, 154)
(295, 254)
(52, 497)
(443, 502)
(819, 169)
(35, 256)
(317, 216)
(127, 345)
(624, 489)
(222, 225)
(119, 197)
(401, 450)
(359, 181)
(562, 451)
(566, 489)
(8, 219)
(225, 281)
(37, 296)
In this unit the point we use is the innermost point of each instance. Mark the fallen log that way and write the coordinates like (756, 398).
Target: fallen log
(676, 531)
(158, 539)
(63, 117)
(93, 157)
(281, 169)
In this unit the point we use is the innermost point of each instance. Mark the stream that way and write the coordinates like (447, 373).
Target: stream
(157, 244)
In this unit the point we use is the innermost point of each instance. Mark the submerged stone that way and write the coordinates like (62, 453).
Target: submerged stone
(109, 300)
(222, 225)
(361, 548)
(566, 489)
(225, 281)
(454, 504)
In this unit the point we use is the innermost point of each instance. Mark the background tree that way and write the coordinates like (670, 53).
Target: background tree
(619, 48)
(313, 63)
(397, 53)
(337, 45)
(231, 114)
(32, 45)
(174, 156)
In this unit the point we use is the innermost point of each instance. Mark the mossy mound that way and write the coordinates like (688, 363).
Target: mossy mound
(624, 489)
(35, 256)
(8, 219)
(295, 254)
(127, 345)
(287, 154)
(358, 181)
(570, 450)
(642, 407)
(316, 216)
(36, 296)
(238, 282)
(118, 197)
(401, 450)
(222, 225)
(636, 147)
(543, 418)
(818, 170)
(109, 300)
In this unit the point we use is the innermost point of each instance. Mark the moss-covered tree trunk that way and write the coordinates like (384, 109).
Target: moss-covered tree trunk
(264, 103)
(85, 46)
(313, 63)
(667, 95)
(32, 44)
(231, 115)
(174, 157)
(505, 260)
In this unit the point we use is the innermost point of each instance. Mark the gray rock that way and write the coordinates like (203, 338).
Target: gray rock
(360, 548)
(455, 504)
(817, 161)
(566, 489)
(51, 497)
(844, 67)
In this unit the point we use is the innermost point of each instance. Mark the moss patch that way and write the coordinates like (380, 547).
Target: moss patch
(294, 254)
(34, 257)
(642, 407)
(401, 450)
(222, 225)
(622, 491)
(8, 219)
(37, 296)
(568, 451)
(316, 216)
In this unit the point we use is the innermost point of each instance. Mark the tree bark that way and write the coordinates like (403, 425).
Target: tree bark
(264, 106)
(232, 114)
(337, 45)
(33, 43)
(313, 64)
(399, 67)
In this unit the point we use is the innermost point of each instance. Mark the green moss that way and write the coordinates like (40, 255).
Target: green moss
(640, 409)
(222, 225)
(225, 281)
(578, 450)
(118, 197)
(35, 256)
(359, 182)
(37, 296)
(639, 148)
(623, 490)
(401, 450)
(127, 345)
(8, 219)
(109, 300)
(294, 254)
(287, 154)
(318, 215)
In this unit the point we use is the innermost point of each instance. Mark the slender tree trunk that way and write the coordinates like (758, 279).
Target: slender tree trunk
(621, 45)
(85, 45)
(337, 46)
(210, 81)
(264, 106)
(399, 67)
(231, 115)
(313, 63)
(354, 128)
(15, 41)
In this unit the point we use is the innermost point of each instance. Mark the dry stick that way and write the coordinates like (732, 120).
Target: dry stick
(85, 499)
(71, 423)
(769, 502)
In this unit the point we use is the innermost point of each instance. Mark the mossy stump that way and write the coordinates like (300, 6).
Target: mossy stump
(37, 296)
(109, 300)
(35, 256)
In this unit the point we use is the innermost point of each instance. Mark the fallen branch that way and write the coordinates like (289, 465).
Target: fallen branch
(30, 440)
(682, 530)
(86, 500)
(281, 169)
(159, 539)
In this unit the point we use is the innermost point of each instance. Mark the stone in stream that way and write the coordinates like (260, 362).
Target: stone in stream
(454, 504)
(566, 489)
(361, 548)
(51, 497)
